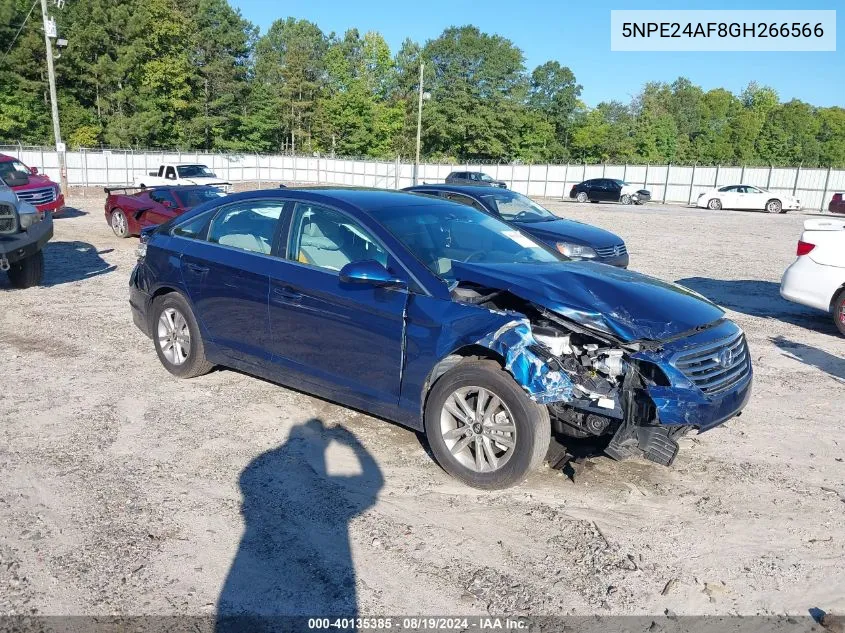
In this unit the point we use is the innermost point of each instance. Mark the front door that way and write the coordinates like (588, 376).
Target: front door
(227, 278)
(345, 339)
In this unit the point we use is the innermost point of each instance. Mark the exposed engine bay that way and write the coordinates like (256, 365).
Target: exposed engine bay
(589, 382)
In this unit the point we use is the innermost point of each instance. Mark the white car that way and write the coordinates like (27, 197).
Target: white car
(182, 174)
(747, 197)
(817, 277)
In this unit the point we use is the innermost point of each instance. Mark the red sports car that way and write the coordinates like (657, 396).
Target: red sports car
(127, 213)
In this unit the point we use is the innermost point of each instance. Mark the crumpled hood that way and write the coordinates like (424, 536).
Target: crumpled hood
(570, 231)
(624, 303)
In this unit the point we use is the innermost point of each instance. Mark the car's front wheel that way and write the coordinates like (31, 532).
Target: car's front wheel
(839, 312)
(177, 337)
(27, 272)
(582, 196)
(483, 428)
(625, 199)
(715, 204)
(774, 206)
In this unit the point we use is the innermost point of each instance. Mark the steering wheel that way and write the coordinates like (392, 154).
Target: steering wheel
(474, 254)
(521, 214)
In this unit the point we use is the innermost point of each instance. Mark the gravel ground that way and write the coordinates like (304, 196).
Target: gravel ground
(126, 491)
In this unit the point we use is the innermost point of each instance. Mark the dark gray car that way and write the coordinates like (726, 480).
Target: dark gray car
(574, 239)
(475, 178)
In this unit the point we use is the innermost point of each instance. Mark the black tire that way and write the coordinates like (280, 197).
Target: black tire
(195, 363)
(119, 223)
(27, 272)
(531, 421)
(774, 206)
(594, 201)
(625, 199)
(839, 312)
(582, 197)
(714, 204)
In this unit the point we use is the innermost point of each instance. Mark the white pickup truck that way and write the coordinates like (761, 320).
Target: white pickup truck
(182, 174)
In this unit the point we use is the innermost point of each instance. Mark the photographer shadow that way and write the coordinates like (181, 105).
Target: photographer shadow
(294, 559)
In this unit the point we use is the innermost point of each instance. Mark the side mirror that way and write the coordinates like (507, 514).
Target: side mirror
(33, 171)
(369, 271)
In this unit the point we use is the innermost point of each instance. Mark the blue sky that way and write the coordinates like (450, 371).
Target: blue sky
(577, 34)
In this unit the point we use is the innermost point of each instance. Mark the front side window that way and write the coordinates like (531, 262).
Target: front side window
(513, 206)
(162, 197)
(328, 239)
(9, 167)
(461, 199)
(439, 235)
(484, 178)
(248, 226)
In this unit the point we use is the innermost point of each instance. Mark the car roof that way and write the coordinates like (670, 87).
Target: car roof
(478, 190)
(359, 198)
(5, 158)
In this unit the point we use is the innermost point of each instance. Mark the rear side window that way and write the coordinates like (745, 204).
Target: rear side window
(461, 199)
(248, 226)
(194, 228)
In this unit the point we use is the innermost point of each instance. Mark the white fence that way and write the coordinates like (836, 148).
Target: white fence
(667, 183)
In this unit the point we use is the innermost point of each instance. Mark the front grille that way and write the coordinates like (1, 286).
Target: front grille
(8, 219)
(612, 251)
(37, 197)
(716, 366)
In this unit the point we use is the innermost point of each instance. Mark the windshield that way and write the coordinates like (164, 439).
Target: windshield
(438, 235)
(514, 206)
(195, 197)
(194, 171)
(7, 168)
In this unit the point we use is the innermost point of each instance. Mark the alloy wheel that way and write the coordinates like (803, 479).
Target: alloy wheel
(174, 336)
(118, 223)
(478, 429)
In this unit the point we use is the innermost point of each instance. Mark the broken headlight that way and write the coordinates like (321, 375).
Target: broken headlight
(576, 251)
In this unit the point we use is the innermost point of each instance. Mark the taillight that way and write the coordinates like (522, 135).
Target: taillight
(804, 248)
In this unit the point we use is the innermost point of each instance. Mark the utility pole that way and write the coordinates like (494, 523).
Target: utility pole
(51, 74)
(419, 122)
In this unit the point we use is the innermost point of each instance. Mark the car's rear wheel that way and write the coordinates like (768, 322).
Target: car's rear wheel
(715, 204)
(625, 199)
(839, 312)
(483, 428)
(774, 206)
(177, 337)
(119, 223)
(27, 272)
(582, 196)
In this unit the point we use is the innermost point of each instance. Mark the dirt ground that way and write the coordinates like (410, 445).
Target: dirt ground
(126, 491)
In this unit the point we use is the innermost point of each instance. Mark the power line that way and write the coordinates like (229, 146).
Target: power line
(15, 38)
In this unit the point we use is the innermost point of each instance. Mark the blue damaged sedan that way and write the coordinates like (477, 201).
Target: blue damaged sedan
(442, 318)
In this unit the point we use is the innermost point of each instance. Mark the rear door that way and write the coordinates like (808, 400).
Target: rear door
(730, 197)
(227, 277)
(345, 339)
